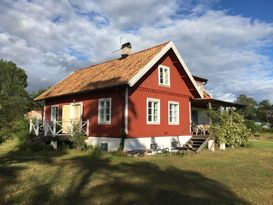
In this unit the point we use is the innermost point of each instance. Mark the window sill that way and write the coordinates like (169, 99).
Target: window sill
(173, 124)
(104, 123)
(166, 86)
(153, 123)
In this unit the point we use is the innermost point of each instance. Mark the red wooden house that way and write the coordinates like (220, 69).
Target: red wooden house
(148, 94)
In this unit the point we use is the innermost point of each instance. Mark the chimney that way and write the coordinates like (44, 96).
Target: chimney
(126, 49)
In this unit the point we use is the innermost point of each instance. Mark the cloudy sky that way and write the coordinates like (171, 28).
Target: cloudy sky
(228, 42)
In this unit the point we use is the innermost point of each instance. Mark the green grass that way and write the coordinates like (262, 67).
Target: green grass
(234, 176)
(264, 135)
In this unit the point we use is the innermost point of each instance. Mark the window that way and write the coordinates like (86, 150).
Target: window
(54, 113)
(153, 111)
(164, 75)
(76, 111)
(104, 116)
(173, 113)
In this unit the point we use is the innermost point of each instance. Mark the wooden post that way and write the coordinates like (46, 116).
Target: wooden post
(211, 142)
(210, 107)
(37, 127)
(30, 126)
(54, 144)
(71, 127)
(87, 128)
(54, 128)
(45, 128)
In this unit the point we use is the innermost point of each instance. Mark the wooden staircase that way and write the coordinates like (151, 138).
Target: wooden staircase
(197, 142)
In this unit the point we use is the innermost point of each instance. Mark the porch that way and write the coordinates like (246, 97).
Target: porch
(60, 129)
(201, 122)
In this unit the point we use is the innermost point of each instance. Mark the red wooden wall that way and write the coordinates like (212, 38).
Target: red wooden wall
(90, 111)
(148, 87)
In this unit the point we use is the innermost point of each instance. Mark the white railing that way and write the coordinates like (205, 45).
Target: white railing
(57, 128)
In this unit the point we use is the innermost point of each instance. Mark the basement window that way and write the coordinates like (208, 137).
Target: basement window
(173, 113)
(104, 114)
(153, 111)
(164, 75)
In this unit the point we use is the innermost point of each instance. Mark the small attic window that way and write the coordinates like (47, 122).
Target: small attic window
(163, 75)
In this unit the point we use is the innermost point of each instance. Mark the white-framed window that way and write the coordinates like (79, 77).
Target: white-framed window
(104, 112)
(163, 75)
(173, 113)
(76, 111)
(54, 113)
(153, 111)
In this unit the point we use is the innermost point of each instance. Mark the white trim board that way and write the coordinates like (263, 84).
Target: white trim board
(126, 111)
(156, 58)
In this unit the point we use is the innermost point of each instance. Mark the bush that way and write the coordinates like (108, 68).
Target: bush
(230, 128)
(252, 126)
(20, 130)
(3, 135)
(78, 138)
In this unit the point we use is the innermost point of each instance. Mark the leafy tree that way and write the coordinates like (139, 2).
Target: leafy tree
(249, 111)
(36, 104)
(229, 128)
(265, 111)
(13, 96)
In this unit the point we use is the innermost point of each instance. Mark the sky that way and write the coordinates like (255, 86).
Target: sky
(229, 42)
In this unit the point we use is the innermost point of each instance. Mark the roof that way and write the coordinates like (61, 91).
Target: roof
(120, 71)
(197, 78)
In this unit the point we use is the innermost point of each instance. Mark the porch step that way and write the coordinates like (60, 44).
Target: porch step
(197, 143)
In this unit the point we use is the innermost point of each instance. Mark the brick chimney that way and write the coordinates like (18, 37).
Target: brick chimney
(126, 49)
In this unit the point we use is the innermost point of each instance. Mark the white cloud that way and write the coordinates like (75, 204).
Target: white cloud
(51, 38)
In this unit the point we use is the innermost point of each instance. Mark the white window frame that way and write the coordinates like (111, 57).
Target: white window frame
(167, 69)
(147, 107)
(178, 113)
(51, 108)
(110, 111)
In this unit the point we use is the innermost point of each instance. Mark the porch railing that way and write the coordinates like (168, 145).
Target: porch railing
(57, 128)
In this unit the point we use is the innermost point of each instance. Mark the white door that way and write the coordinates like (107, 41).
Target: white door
(76, 113)
(66, 119)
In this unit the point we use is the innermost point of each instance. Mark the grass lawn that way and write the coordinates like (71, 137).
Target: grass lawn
(234, 176)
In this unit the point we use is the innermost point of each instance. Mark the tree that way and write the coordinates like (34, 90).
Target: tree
(36, 104)
(229, 128)
(13, 96)
(249, 111)
(265, 111)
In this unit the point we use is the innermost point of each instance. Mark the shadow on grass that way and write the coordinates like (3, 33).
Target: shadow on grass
(120, 183)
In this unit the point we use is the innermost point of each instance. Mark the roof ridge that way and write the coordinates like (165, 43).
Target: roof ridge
(114, 59)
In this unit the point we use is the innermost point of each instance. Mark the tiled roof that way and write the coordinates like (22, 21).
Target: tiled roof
(114, 72)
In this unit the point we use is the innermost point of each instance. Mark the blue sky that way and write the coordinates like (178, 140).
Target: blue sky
(230, 42)
(257, 9)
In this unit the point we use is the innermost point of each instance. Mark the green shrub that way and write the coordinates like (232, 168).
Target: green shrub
(3, 135)
(230, 128)
(35, 147)
(252, 126)
(78, 138)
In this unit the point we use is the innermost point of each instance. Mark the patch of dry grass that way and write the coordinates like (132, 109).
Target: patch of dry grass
(234, 176)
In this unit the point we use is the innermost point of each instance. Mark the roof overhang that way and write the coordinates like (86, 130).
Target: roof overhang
(156, 58)
(200, 79)
(214, 103)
